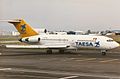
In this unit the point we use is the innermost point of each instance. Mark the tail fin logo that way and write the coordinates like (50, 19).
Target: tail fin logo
(23, 29)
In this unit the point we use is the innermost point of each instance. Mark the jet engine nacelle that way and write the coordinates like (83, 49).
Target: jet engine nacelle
(30, 40)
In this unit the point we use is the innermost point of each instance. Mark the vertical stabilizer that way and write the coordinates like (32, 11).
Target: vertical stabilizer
(23, 28)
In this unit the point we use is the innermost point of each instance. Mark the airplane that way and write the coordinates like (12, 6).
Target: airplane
(61, 42)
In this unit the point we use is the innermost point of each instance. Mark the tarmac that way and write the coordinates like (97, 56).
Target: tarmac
(36, 64)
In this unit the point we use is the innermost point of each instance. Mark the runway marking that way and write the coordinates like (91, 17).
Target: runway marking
(69, 77)
(89, 59)
(73, 58)
(105, 61)
(4, 69)
(60, 73)
(28, 76)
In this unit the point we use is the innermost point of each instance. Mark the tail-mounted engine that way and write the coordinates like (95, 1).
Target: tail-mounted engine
(30, 40)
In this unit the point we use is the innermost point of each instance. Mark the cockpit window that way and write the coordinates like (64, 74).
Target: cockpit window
(110, 40)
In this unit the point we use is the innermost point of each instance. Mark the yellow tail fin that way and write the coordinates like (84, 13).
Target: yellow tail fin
(23, 28)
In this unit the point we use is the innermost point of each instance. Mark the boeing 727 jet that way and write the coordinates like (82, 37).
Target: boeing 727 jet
(61, 42)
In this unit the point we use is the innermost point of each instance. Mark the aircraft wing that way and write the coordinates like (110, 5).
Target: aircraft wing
(38, 46)
(9, 42)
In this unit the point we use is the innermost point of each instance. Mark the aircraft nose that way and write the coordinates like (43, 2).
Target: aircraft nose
(116, 45)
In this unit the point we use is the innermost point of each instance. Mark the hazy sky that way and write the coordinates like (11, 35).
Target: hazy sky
(63, 14)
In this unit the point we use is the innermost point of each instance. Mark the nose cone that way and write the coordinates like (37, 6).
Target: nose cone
(116, 45)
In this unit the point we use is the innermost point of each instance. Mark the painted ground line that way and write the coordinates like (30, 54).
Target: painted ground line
(3, 69)
(104, 61)
(69, 77)
(86, 59)
(73, 58)
(61, 73)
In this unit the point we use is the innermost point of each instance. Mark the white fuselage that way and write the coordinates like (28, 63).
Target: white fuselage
(74, 41)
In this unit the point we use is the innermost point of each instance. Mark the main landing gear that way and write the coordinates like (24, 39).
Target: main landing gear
(103, 52)
(49, 51)
(61, 51)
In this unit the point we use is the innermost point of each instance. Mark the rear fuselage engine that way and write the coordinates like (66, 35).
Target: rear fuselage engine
(30, 40)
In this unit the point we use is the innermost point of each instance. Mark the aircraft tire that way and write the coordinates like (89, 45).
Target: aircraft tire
(61, 51)
(103, 53)
(49, 51)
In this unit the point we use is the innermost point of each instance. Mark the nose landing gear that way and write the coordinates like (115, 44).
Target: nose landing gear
(103, 52)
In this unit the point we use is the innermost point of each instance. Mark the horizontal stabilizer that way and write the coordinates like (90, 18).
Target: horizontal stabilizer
(11, 21)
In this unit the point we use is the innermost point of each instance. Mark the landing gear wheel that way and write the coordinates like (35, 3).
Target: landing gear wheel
(61, 51)
(49, 51)
(103, 53)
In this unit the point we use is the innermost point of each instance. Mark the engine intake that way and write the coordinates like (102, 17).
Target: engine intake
(30, 40)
